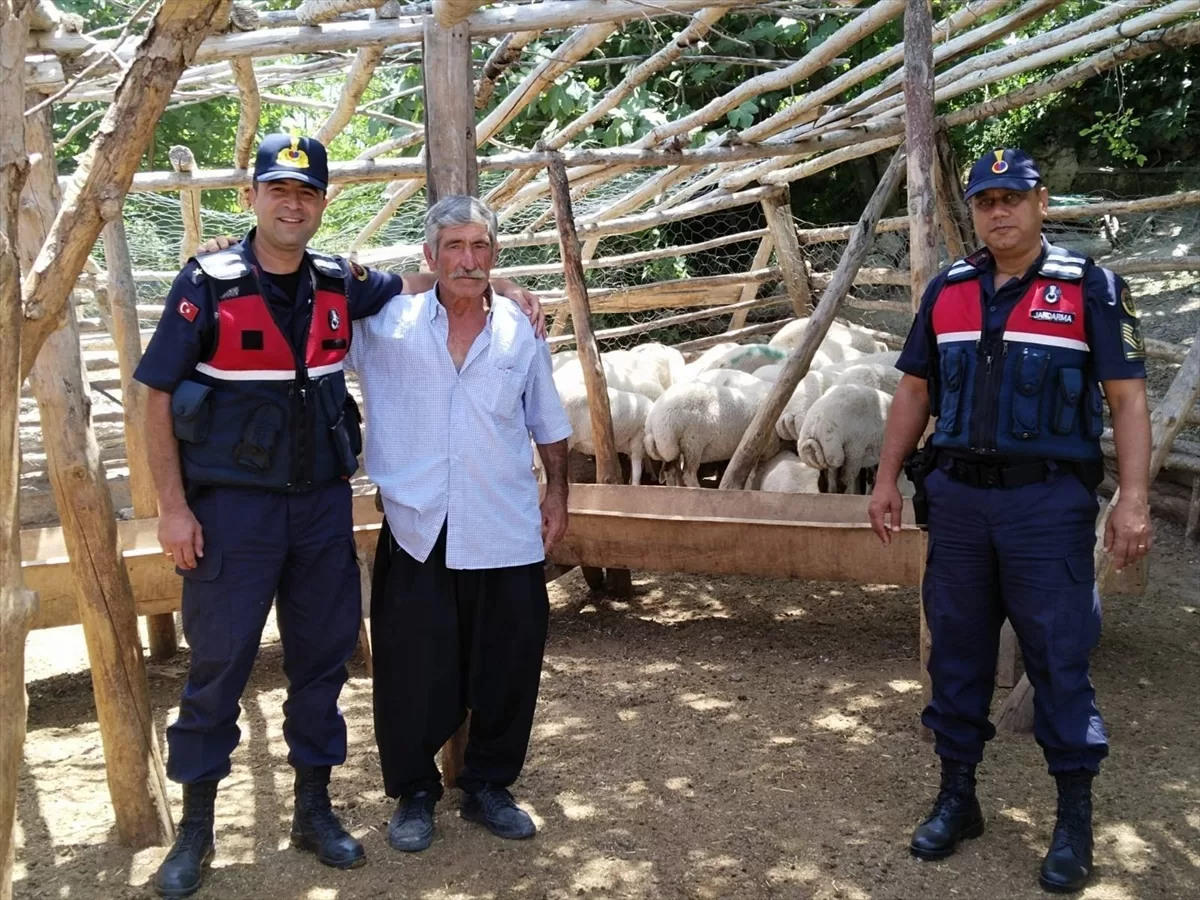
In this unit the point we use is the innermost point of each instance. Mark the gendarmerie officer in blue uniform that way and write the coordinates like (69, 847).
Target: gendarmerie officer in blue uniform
(1014, 350)
(253, 438)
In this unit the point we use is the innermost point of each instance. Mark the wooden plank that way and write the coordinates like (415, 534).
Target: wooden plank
(920, 129)
(778, 212)
(449, 113)
(1006, 659)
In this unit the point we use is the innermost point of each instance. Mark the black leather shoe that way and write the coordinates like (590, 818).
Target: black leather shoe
(182, 872)
(411, 827)
(315, 828)
(956, 815)
(1067, 866)
(494, 807)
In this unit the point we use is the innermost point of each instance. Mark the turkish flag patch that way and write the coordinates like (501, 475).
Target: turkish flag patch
(188, 310)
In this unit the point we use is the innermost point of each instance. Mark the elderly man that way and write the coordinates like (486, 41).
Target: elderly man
(1009, 351)
(253, 439)
(455, 382)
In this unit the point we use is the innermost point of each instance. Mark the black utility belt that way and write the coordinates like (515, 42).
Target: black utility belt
(1015, 475)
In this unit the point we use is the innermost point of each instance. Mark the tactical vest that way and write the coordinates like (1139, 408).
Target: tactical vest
(253, 413)
(1029, 391)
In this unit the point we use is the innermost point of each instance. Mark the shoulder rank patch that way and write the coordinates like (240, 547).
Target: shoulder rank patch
(1127, 302)
(1131, 341)
(188, 310)
(358, 271)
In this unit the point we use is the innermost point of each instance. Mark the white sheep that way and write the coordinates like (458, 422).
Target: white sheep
(807, 392)
(694, 423)
(880, 376)
(786, 473)
(629, 412)
(669, 361)
(730, 378)
(843, 432)
(623, 372)
(560, 358)
(790, 336)
(743, 357)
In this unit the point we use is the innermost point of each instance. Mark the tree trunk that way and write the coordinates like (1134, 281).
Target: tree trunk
(106, 171)
(920, 131)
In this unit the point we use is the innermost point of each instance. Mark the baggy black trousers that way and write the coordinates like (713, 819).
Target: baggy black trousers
(446, 641)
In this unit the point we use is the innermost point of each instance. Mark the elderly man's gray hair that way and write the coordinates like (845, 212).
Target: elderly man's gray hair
(454, 210)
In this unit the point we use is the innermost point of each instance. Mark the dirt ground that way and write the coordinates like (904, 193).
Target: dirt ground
(710, 738)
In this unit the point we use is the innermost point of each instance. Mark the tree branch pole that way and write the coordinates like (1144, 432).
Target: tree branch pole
(107, 170)
(122, 298)
(18, 606)
(608, 467)
(755, 439)
(184, 162)
(132, 761)
(762, 257)
(1166, 421)
(778, 212)
(920, 130)
(952, 209)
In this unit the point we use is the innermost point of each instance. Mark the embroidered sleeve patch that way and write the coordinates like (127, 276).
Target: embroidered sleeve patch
(358, 271)
(188, 310)
(1131, 341)
(1127, 303)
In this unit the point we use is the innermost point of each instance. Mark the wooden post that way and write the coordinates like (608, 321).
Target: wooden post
(1166, 422)
(122, 297)
(17, 605)
(952, 209)
(1193, 516)
(920, 128)
(608, 467)
(450, 166)
(762, 427)
(778, 210)
(925, 638)
(1009, 653)
(182, 160)
(106, 171)
(750, 292)
(133, 764)
(249, 111)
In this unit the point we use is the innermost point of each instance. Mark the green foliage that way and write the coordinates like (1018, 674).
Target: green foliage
(1114, 130)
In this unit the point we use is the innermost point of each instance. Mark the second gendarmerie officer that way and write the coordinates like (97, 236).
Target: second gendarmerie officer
(253, 438)
(1014, 351)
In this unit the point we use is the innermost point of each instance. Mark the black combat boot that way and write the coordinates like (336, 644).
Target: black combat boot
(182, 872)
(314, 826)
(1066, 867)
(955, 816)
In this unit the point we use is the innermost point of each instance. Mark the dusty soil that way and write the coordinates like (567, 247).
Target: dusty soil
(710, 738)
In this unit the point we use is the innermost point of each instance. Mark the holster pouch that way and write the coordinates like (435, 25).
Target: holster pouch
(917, 467)
(190, 411)
(259, 437)
(343, 421)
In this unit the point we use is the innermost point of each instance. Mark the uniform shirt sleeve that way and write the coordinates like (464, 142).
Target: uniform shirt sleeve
(917, 356)
(544, 415)
(1113, 331)
(184, 334)
(368, 290)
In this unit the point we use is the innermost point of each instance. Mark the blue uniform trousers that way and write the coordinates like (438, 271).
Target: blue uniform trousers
(261, 545)
(1024, 553)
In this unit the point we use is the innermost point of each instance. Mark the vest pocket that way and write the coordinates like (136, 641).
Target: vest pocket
(1027, 396)
(257, 446)
(1095, 411)
(190, 411)
(1066, 400)
(954, 364)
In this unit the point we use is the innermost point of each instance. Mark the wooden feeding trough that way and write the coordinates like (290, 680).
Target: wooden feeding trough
(815, 537)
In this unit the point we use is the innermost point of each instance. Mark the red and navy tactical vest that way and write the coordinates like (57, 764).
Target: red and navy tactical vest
(254, 413)
(1029, 391)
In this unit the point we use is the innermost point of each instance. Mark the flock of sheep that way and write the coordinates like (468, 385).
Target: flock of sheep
(686, 414)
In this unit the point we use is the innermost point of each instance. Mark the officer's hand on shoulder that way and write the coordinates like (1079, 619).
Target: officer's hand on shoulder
(215, 244)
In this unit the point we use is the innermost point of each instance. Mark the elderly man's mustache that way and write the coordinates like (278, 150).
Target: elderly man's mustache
(469, 273)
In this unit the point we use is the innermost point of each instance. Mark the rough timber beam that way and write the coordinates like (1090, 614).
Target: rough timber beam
(106, 172)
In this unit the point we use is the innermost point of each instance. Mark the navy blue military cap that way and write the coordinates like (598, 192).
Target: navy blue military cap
(283, 156)
(1013, 170)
